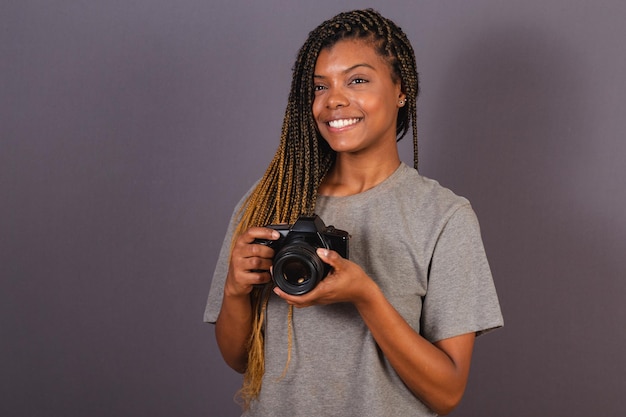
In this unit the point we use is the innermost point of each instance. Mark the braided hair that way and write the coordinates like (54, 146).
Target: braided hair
(290, 184)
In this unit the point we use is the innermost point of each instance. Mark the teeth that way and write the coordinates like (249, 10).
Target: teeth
(338, 124)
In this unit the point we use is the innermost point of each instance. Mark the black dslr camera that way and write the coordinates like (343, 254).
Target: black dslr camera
(296, 268)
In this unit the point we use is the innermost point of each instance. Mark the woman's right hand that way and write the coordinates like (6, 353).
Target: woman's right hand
(250, 262)
(250, 265)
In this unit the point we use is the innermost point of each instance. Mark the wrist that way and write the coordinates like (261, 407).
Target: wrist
(235, 292)
(369, 293)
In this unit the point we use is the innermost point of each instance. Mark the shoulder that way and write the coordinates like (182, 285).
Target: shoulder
(426, 194)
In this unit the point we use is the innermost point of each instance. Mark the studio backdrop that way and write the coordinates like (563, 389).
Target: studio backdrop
(130, 129)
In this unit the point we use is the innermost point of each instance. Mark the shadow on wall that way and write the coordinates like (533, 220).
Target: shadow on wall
(515, 126)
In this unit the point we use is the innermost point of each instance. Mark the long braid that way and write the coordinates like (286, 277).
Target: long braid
(289, 187)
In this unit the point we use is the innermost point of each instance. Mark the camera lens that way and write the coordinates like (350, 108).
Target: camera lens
(295, 272)
(297, 268)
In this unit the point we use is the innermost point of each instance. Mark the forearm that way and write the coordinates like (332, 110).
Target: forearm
(429, 372)
(232, 330)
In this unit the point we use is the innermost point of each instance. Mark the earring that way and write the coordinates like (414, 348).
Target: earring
(401, 102)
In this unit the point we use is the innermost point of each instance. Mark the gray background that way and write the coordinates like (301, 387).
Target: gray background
(129, 129)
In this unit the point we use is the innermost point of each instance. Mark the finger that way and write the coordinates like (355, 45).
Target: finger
(311, 298)
(262, 254)
(257, 263)
(259, 277)
(330, 257)
(243, 250)
(260, 233)
(297, 301)
(281, 293)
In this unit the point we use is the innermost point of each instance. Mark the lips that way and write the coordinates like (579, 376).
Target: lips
(341, 123)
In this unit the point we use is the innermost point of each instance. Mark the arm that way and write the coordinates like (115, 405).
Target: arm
(435, 373)
(249, 265)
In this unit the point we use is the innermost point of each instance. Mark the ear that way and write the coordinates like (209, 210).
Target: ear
(401, 99)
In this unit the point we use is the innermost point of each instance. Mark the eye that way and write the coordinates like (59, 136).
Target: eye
(318, 87)
(358, 80)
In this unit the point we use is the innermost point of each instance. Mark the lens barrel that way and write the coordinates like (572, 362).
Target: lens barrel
(297, 268)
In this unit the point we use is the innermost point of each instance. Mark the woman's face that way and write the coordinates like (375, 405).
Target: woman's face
(356, 100)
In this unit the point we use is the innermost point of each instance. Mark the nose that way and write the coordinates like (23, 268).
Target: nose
(336, 98)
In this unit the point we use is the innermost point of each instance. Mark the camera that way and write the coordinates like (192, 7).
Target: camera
(296, 267)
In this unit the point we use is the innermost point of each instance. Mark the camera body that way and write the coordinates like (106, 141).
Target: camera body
(296, 267)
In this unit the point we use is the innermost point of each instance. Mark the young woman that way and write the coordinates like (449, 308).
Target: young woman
(389, 331)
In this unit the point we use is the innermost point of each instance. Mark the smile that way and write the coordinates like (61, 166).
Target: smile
(338, 124)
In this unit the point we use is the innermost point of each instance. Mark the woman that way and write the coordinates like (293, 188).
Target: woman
(391, 330)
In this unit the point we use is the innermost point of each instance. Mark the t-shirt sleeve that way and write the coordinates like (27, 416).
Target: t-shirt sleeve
(214, 302)
(461, 296)
(216, 292)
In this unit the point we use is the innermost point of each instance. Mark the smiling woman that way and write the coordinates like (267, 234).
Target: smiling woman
(391, 330)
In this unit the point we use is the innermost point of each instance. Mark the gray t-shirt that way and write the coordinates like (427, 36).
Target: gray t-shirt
(422, 245)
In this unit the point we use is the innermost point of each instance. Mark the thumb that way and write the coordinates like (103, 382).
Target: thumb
(331, 257)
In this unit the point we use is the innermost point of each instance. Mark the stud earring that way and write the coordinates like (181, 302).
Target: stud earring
(401, 102)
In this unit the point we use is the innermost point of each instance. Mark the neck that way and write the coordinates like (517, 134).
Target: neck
(353, 175)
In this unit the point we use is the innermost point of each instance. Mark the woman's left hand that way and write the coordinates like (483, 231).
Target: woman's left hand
(346, 282)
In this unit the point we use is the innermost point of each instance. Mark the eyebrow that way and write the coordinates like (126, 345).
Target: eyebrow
(347, 70)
